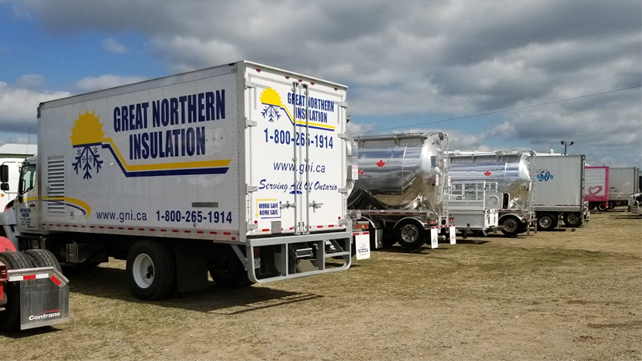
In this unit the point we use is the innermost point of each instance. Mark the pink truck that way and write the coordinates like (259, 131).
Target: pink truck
(596, 187)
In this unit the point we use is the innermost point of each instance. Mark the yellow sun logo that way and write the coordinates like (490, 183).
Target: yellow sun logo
(87, 130)
(271, 97)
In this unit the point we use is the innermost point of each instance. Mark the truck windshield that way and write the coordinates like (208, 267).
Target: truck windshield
(27, 178)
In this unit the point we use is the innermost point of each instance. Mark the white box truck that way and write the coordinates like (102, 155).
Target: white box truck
(559, 190)
(623, 183)
(596, 187)
(240, 170)
(12, 155)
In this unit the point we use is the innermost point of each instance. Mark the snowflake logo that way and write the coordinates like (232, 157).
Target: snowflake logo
(270, 112)
(87, 136)
(87, 159)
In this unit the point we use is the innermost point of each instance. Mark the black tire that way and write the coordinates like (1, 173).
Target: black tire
(572, 219)
(546, 222)
(10, 317)
(602, 207)
(410, 235)
(151, 270)
(43, 258)
(227, 270)
(510, 226)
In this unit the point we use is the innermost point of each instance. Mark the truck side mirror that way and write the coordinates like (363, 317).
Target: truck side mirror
(4, 187)
(4, 173)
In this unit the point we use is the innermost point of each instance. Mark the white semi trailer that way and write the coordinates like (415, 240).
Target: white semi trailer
(241, 170)
(402, 189)
(559, 190)
(512, 171)
(623, 183)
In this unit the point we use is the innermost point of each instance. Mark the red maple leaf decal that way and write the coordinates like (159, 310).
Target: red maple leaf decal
(381, 163)
(487, 173)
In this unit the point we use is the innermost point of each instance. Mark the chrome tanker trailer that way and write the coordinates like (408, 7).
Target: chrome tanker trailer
(402, 188)
(513, 173)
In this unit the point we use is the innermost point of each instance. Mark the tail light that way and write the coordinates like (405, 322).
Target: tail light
(4, 272)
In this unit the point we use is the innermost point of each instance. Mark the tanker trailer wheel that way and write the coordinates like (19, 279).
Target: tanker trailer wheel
(572, 219)
(603, 207)
(410, 234)
(10, 317)
(43, 258)
(510, 226)
(546, 222)
(227, 270)
(151, 270)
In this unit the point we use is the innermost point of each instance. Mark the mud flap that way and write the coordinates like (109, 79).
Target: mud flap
(44, 297)
(451, 231)
(362, 244)
(434, 237)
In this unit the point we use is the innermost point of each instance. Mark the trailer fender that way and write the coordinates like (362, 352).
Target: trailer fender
(6, 245)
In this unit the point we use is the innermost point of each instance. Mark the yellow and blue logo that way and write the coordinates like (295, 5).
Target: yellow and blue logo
(88, 138)
(316, 111)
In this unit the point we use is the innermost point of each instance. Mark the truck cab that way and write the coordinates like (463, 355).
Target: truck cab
(20, 217)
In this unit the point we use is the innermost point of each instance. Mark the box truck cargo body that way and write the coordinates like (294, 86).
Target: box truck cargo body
(623, 183)
(240, 169)
(512, 171)
(596, 187)
(402, 189)
(559, 190)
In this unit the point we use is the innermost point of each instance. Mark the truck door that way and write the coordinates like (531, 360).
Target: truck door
(27, 200)
(297, 155)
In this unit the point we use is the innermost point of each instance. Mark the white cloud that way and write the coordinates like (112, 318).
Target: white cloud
(449, 57)
(112, 45)
(105, 81)
(18, 106)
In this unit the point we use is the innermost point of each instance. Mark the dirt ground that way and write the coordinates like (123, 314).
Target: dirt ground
(572, 294)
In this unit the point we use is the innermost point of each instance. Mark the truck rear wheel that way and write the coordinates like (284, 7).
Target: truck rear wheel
(510, 226)
(43, 258)
(602, 206)
(151, 270)
(410, 234)
(10, 317)
(546, 222)
(227, 270)
(572, 219)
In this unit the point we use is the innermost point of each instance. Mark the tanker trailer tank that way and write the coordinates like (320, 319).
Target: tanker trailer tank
(513, 173)
(401, 188)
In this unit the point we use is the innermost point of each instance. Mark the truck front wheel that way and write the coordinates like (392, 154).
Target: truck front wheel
(410, 235)
(10, 317)
(151, 270)
(572, 219)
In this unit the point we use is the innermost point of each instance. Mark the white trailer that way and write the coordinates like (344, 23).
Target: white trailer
(240, 170)
(559, 190)
(596, 187)
(475, 206)
(623, 183)
(402, 190)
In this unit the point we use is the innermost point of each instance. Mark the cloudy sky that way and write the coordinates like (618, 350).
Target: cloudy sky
(494, 74)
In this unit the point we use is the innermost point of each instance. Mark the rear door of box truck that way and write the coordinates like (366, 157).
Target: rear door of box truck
(296, 166)
(559, 183)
